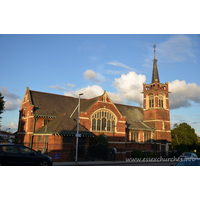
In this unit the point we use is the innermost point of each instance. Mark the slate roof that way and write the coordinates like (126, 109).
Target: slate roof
(52, 104)
(85, 105)
(62, 124)
(134, 117)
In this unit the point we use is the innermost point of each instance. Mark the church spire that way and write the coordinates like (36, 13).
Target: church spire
(155, 69)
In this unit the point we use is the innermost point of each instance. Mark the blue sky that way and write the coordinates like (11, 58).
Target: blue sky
(91, 63)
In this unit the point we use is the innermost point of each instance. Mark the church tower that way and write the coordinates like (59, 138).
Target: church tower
(156, 105)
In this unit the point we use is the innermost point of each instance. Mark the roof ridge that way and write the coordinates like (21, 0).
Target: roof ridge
(54, 94)
(127, 105)
(83, 100)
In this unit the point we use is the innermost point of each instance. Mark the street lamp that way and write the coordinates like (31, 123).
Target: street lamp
(77, 135)
(7, 129)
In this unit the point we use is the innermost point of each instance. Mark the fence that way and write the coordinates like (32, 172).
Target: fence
(66, 152)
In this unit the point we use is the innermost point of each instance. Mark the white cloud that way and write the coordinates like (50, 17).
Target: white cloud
(8, 95)
(182, 94)
(57, 87)
(116, 63)
(94, 91)
(71, 85)
(115, 97)
(130, 86)
(177, 48)
(12, 101)
(88, 92)
(13, 105)
(13, 127)
(90, 74)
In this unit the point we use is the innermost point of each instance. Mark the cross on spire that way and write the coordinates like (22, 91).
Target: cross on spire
(154, 46)
(155, 69)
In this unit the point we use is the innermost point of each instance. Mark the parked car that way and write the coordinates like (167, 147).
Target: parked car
(189, 162)
(188, 155)
(13, 154)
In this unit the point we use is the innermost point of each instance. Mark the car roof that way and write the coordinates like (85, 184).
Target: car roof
(190, 159)
(10, 144)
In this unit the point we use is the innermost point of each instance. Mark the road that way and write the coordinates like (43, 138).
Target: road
(143, 164)
(117, 163)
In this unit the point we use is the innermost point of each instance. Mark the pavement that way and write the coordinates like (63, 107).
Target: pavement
(104, 163)
(88, 163)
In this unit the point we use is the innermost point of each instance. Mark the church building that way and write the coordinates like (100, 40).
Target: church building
(48, 122)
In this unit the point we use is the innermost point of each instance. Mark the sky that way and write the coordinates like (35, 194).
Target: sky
(68, 64)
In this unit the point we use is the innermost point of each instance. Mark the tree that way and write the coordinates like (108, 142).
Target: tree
(2, 105)
(183, 134)
(99, 139)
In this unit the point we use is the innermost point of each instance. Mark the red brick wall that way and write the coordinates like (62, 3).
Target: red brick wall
(158, 116)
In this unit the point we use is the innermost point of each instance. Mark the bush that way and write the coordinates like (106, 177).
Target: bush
(99, 139)
(153, 155)
(182, 147)
(198, 154)
(137, 154)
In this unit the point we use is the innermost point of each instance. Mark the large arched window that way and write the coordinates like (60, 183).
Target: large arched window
(103, 120)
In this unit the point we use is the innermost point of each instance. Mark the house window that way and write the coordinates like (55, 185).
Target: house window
(134, 137)
(103, 120)
(39, 138)
(147, 137)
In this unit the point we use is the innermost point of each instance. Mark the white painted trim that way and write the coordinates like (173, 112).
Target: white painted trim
(122, 121)
(156, 120)
(84, 118)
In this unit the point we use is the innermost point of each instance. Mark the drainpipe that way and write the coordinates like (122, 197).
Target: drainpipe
(31, 144)
(155, 137)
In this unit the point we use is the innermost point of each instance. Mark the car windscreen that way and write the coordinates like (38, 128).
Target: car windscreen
(9, 149)
(188, 154)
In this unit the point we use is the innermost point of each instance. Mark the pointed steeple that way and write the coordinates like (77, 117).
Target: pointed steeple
(155, 69)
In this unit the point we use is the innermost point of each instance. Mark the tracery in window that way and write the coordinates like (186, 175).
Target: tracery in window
(103, 120)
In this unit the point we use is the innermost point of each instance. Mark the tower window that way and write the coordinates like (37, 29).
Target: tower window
(151, 102)
(161, 101)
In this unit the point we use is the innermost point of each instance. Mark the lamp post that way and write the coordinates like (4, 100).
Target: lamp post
(7, 129)
(77, 135)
